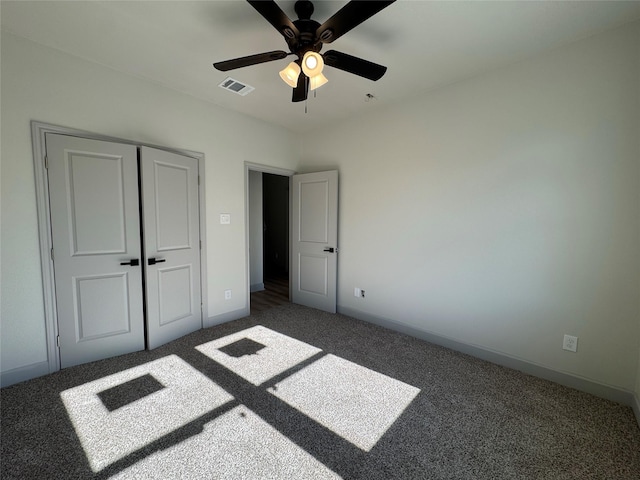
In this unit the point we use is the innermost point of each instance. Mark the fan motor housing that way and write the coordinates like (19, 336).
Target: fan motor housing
(307, 40)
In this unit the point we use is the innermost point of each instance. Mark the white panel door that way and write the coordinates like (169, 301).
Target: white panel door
(93, 194)
(172, 245)
(315, 238)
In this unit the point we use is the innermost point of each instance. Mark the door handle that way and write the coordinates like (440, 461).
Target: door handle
(153, 261)
(134, 262)
(329, 249)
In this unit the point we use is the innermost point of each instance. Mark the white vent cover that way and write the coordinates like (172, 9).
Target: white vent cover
(236, 86)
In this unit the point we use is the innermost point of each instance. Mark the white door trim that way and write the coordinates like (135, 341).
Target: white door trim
(257, 167)
(38, 131)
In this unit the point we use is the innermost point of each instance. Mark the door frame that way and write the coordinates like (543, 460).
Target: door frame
(38, 131)
(283, 172)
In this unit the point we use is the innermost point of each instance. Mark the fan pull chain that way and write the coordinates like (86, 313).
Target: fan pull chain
(306, 101)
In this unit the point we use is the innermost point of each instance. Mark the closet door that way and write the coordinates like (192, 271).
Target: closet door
(94, 205)
(172, 245)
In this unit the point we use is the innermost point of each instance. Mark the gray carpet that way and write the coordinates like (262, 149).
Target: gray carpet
(294, 393)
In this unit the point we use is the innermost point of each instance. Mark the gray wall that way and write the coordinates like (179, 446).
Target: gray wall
(503, 212)
(43, 84)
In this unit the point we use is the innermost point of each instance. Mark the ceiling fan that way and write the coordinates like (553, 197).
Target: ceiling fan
(305, 38)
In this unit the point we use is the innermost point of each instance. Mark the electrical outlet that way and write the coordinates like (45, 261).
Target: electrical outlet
(570, 343)
(227, 294)
(358, 292)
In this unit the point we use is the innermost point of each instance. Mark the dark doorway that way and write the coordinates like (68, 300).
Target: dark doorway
(275, 195)
(269, 233)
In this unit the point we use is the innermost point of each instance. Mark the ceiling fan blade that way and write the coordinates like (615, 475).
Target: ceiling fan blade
(302, 89)
(355, 65)
(348, 17)
(276, 17)
(250, 60)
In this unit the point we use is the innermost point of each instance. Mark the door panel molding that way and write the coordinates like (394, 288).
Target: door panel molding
(165, 282)
(159, 168)
(78, 200)
(313, 263)
(312, 193)
(38, 133)
(83, 289)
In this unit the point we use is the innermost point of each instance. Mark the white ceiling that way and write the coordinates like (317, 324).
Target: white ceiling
(425, 44)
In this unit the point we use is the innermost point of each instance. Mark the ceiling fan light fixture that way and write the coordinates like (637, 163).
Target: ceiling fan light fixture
(317, 81)
(312, 64)
(305, 38)
(290, 74)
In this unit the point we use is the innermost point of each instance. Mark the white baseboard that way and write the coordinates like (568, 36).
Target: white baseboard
(618, 395)
(257, 287)
(21, 374)
(226, 317)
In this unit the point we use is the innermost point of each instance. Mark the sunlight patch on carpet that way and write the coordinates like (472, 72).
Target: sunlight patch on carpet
(280, 353)
(108, 436)
(354, 402)
(236, 445)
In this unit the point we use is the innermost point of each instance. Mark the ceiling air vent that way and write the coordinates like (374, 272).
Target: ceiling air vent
(236, 86)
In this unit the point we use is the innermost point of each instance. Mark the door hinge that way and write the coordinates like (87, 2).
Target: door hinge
(52, 254)
(200, 244)
(198, 180)
(46, 161)
(58, 341)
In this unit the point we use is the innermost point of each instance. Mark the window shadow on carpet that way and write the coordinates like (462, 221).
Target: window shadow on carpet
(129, 392)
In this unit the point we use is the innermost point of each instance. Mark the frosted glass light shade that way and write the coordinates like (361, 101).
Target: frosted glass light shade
(317, 81)
(312, 64)
(290, 74)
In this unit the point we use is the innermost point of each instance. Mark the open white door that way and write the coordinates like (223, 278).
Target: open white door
(172, 245)
(315, 238)
(93, 194)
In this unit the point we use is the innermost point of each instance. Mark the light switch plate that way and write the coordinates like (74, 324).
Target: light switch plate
(225, 218)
